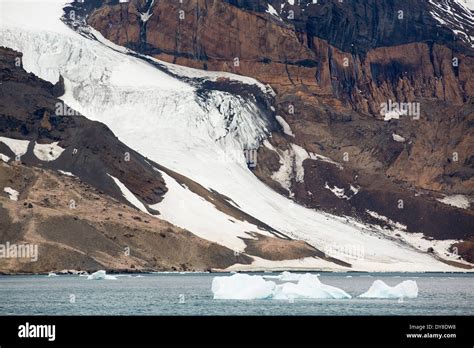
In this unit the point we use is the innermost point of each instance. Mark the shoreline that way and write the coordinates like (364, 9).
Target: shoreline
(138, 272)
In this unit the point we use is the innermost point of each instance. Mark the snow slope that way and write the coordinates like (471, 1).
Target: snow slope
(18, 147)
(164, 119)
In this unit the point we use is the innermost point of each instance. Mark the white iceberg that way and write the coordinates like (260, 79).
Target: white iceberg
(308, 287)
(242, 287)
(246, 287)
(101, 275)
(285, 277)
(290, 277)
(406, 289)
(48, 152)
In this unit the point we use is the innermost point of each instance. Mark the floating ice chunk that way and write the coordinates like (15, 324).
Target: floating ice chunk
(101, 275)
(4, 158)
(339, 192)
(52, 274)
(308, 287)
(242, 287)
(13, 194)
(406, 289)
(18, 147)
(246, 287)
(459, 201)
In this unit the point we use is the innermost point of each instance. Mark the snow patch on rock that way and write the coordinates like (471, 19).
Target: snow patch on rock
(18, 147)
(129, 196)
(247, 287)
(147, 15)
(286, 127)
(338, 192)
(66, 173)
(48, 152)
(242, 287)
(271, 10)
(458, 201)
(308, 287)
(457, 15)
(4, 158)
(291, 166)
(317, 157)
(398, 138)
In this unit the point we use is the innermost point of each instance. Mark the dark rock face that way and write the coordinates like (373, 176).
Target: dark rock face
(358, 26)
(28, 111)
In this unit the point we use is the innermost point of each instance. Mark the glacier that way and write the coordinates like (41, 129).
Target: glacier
(163, 117)
(242, 287)
(101, 275)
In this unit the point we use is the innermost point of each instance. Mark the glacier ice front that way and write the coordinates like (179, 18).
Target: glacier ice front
(406, 289)
(246, 287)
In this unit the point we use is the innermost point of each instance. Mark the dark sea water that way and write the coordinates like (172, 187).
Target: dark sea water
(190, 294)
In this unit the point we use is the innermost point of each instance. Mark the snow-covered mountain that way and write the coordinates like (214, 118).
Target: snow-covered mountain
(194, 127)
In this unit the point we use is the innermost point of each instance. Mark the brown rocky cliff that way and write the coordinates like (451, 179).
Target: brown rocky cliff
(213, 33)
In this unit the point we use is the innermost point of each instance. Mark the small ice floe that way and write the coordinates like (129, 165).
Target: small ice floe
(406, 289)
(247, 287)
(4, 158)
(52, 274)
(13, 194)
(101, 275)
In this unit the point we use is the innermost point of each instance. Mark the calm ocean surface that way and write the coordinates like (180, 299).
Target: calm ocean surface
(190, 294)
